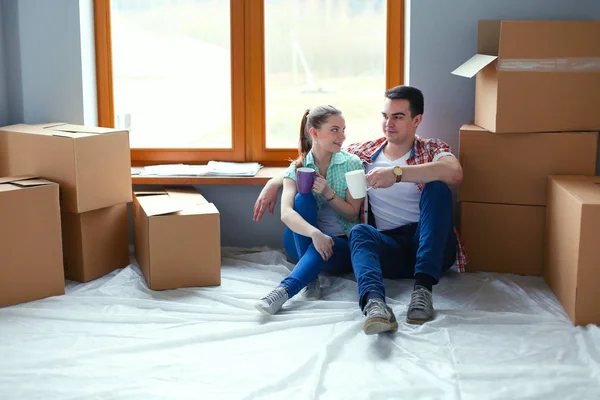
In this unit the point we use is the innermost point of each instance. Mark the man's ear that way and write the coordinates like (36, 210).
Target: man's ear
(417, 120)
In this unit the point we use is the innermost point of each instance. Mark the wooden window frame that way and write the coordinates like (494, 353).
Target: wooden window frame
(247, 85)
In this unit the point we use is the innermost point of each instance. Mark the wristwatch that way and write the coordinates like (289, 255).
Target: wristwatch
(398, 172)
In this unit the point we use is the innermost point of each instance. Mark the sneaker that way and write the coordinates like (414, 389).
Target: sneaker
(380, 317)
(312, 291)
(420, 309)
(272, 302)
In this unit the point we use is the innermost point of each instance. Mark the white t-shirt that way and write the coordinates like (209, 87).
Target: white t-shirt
(396, 205)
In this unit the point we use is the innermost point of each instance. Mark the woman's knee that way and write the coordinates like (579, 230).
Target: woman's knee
(304, 198)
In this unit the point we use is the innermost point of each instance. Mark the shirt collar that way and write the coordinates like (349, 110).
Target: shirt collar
(336, 158)
(416, 149)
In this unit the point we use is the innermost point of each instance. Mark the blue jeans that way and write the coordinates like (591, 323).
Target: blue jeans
(427, 247)
(301, 249)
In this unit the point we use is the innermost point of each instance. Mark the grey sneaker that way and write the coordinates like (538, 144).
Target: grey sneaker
(272, 302)
(420, 309)
(380, 317)
(312, 291)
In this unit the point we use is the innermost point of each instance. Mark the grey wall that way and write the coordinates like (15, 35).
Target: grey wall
(443, 35)
(3, 73)
(47, 74)
(235, 205)
(48, 60)
(11, 94)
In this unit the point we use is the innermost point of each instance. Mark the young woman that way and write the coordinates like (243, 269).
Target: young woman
(317, 222)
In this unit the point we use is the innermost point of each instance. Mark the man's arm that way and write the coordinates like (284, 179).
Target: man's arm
(267, 199)
(446, 169)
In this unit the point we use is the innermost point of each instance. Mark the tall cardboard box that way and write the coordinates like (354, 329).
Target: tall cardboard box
(95, 243)
(536, 76)
(572, 268)
(513, 169)
(177, 239)
(504, 238)
(91, 165)
(30, 246)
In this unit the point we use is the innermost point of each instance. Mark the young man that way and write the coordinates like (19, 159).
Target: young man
(411, 233)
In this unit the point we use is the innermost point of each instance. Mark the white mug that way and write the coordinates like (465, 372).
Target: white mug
(357, 183)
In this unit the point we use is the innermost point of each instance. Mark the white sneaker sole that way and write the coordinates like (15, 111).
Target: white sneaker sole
(378, 325)
(262, 310)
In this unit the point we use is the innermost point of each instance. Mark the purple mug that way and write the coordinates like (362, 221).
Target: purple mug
(304, 179)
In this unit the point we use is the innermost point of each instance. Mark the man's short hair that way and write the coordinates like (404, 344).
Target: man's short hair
(410, 93)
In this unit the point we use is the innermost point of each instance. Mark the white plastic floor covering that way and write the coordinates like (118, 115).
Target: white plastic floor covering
(495, 337)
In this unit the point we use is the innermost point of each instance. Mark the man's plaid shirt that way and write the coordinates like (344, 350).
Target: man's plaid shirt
(423, 151)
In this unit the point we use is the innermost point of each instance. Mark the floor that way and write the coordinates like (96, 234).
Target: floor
(495, 337)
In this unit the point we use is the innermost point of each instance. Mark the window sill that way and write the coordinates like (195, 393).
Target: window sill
(260, 178)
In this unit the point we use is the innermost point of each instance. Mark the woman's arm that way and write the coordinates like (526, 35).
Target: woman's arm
(289, 216)
(268, 197)
(347, 209)
(323, 243)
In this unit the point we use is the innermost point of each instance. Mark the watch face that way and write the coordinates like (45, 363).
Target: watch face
(398, 173)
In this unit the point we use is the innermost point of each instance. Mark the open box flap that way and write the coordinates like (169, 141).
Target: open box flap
(9, 179)
(475, 64)
(159, 204)
(32, 182)
(77, 131)
(186, 197)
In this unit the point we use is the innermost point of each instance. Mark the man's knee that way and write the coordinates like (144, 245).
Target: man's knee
(439, 189)
(360, 232)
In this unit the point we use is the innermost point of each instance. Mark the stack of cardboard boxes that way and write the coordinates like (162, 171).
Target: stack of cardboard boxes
(64, 213)
(536, 116)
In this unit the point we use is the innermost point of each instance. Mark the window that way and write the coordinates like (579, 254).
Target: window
(200, 80)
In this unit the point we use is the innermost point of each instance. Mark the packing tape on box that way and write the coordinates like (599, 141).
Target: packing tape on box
(582, 64)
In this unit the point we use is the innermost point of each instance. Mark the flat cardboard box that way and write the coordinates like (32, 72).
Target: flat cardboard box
(513, 169)
(177, 239)
(95, 243)
(504, 238)
(91, 165)
(30, 245)
(536, 76)
(572, 268)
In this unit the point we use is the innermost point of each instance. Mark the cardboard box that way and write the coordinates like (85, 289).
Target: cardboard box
(514, 169)
(177, 239)
(95, 243)
(91, 165)
(572, 268)
(504, 238)
(536, 76)
(30, 245)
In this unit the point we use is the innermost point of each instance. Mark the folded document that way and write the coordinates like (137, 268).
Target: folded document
(213, 168)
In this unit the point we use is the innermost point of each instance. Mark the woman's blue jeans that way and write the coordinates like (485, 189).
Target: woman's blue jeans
(301, 250)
